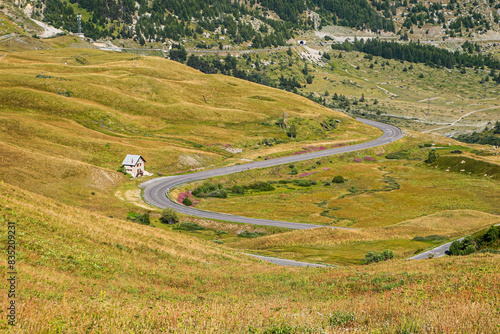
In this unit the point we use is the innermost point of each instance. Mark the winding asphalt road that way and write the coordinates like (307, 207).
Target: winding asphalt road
(156, 190)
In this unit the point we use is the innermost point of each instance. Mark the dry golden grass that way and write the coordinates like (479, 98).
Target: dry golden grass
(79, 272)
(450, 224)
(176, 117)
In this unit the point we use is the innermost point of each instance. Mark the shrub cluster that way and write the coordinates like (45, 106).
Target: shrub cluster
(304, 183)
(261, 186)
(270, 141)
(239, 190)
(209, 189)
(329, 124)
(432, 157)
(338, 179)
(293, 170)
(122, 170)
(397, 155)
(217, 190)
(470, 245)
(248, 234)
(169, 216)
(341, 319)
(187, 226)
(486, 137)
(378, 257)
(139, 218)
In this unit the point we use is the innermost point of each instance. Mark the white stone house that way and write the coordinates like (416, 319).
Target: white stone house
(134, 165)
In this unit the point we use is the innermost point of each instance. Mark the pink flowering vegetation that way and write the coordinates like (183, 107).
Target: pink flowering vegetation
(309, 149)
(183, 195)
(367, 158)
(186, 194)
(306, 174)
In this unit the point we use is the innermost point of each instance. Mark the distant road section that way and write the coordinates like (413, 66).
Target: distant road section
(284, 262)
(156, 190)
(439, 251)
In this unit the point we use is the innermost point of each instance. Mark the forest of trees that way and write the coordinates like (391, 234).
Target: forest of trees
(486, 137)
(357, 14)
(62, 15)
(461, 17)
(229, 66)
(419, 53)
(158, 20)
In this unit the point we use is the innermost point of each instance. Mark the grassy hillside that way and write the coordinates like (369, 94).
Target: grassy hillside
(118, 276)
(390, 196)
(343, 247)
(66, 133)
(415, 96)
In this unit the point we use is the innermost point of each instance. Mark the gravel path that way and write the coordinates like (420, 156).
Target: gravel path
(49, 31)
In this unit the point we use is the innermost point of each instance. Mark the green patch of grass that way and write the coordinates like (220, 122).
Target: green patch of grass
(249, 234)
(188, 226)
(433, 238)
(397, 155)
(262, 98)
(468, 166)
(351, 253)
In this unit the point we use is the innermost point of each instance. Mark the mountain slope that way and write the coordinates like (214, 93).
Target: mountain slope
(64, 134)
(263, 22)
